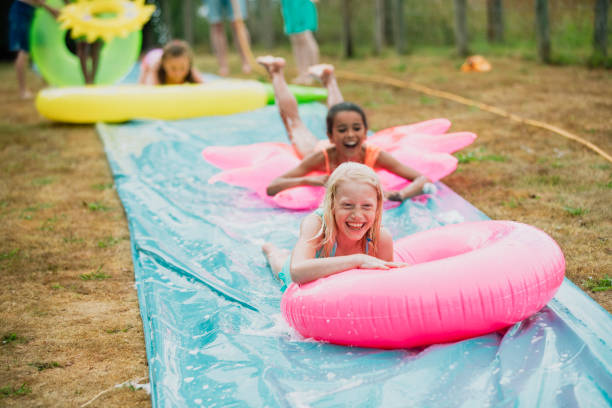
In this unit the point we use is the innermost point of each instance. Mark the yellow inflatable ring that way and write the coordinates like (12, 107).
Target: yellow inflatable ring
(89, 19)
(119, 103)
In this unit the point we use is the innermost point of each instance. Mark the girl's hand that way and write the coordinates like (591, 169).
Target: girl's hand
(370, 262)
(394, 196)
(430, 188)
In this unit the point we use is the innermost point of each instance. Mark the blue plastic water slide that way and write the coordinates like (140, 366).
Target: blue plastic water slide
(211, 308)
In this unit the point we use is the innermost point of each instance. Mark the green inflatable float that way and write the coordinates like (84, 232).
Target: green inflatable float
(303, 94)
(60, 67)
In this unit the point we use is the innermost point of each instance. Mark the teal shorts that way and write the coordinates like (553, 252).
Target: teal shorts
(285, 275)
(299, 16)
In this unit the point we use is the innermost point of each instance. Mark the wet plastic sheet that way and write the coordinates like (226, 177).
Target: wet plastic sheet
(210, 305)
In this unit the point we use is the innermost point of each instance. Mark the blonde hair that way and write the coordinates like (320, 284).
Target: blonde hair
(345, 173)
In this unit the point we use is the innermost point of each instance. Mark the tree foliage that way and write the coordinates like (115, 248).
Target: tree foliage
(552, 31)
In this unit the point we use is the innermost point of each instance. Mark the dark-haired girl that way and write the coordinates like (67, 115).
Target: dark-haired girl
(346, 129)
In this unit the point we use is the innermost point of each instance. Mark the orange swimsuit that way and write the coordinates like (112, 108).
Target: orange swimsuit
(371, 155)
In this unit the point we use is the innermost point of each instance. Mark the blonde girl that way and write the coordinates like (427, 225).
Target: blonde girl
(171, 65)
(345, 233)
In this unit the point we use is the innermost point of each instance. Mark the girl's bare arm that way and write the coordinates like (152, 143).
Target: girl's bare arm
(149, 76)
(197, 77)
(391, 164)
(385, 245)
(305, 267)
(298, 176)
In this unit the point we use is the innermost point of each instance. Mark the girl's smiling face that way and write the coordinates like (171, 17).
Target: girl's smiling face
(348, 133)
(177, 69)
(354, 209)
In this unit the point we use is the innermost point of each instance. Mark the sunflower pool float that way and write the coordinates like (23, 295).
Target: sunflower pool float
(104, 19)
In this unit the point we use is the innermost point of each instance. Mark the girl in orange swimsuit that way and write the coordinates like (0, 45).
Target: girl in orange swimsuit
(347, 129)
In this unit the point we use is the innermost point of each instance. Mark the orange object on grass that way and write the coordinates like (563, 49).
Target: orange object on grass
(476, 63)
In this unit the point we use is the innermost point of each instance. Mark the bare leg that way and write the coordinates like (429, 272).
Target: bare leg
(219, 44)
(313, 49)
(302, 139)
(21, 65)
(325, 74)
(301, 53)
(95, 57)
(246, 65)
(276, 257)
(82, 54)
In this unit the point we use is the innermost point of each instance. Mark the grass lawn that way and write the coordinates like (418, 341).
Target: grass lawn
(69, 316)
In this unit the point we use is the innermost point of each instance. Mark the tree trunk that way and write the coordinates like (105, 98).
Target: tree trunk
(347, 38)
(495, 21)
(399, 32)
(166, 12)
(543, 30)
(150, 37)
(388, 18)
(379, 24)
(188, 12)
(461, 36)
(266, 28)
(600, 33)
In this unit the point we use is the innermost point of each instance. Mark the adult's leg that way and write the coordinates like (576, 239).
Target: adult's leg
(325, 74)
(242, 40)
(301, 53)
(95, 58)
(276, 257)
(312, 47)
(82, 54)
(302, 139)
(19, 21)
(21, 66)
(219, 44)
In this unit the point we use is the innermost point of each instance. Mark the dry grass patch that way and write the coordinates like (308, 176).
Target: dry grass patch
(68, 306)
(70, 323)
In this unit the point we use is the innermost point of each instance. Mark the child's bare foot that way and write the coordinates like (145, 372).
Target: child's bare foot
(303, 80)
(267, 248)
(323, 72)
(246, 68)
(224, 71)
(272, 64)
(26, 94)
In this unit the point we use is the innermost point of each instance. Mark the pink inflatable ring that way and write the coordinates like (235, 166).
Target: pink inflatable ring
(464, 280)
